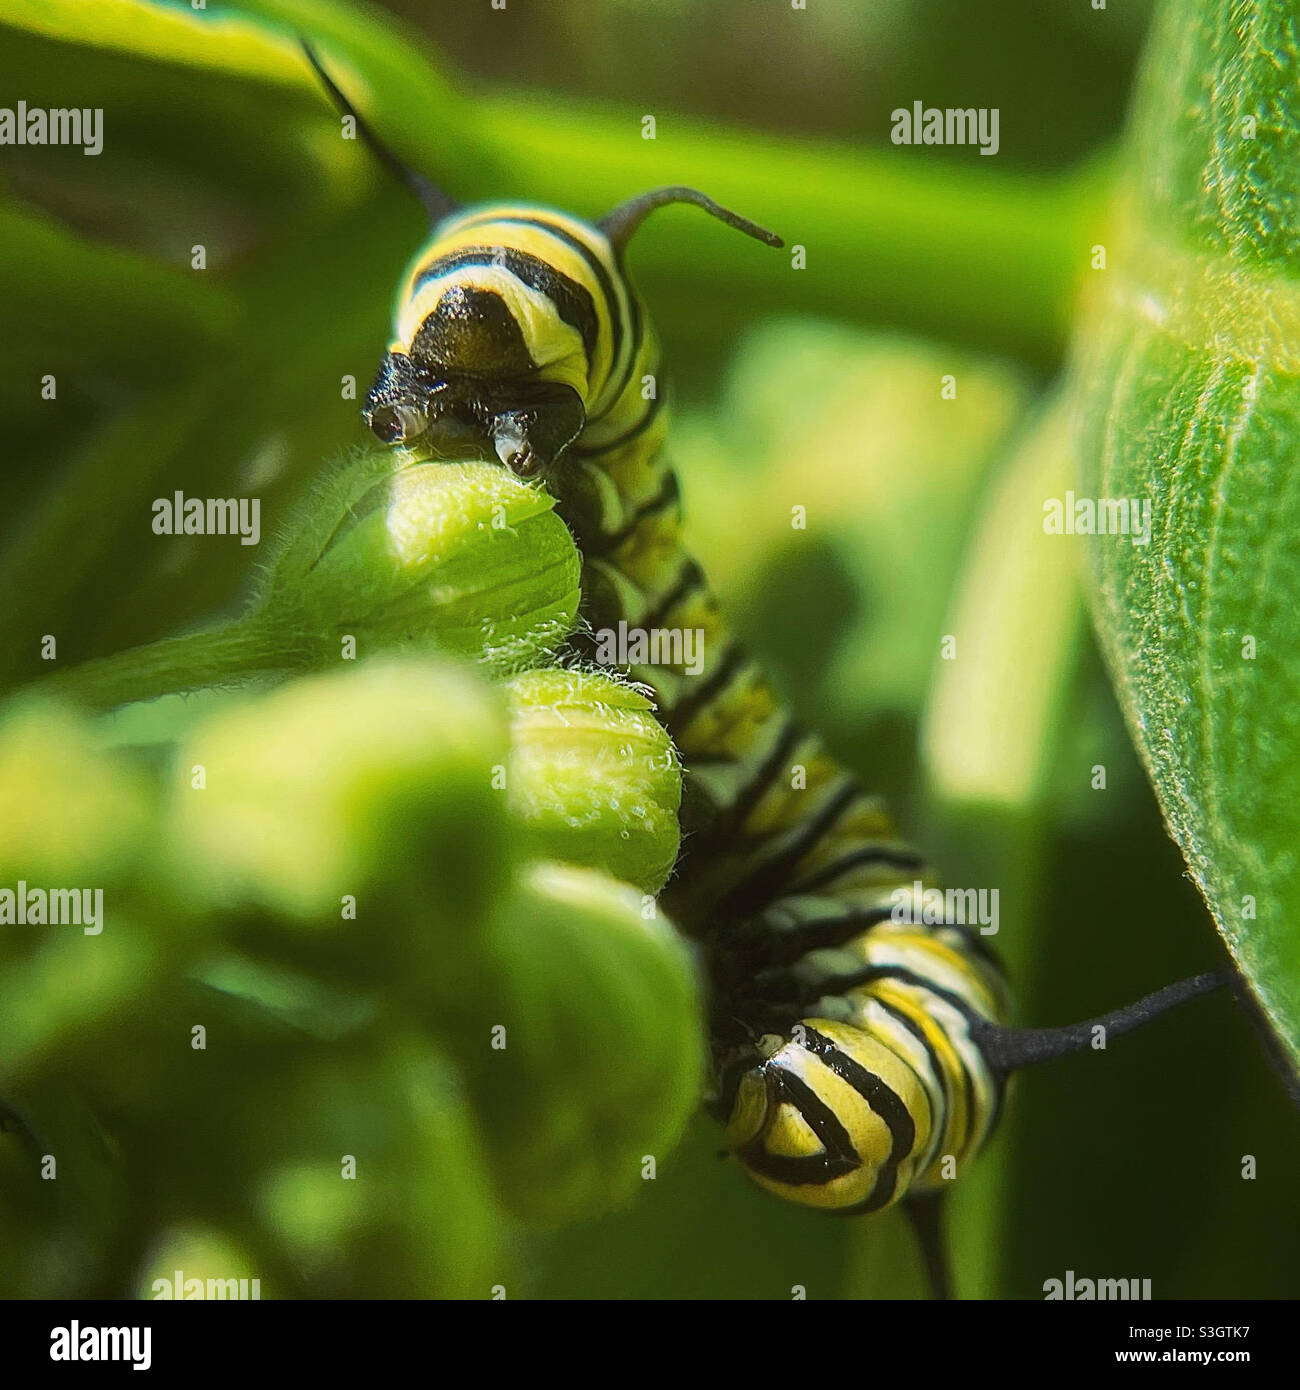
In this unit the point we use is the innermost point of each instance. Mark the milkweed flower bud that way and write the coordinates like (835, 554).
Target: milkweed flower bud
(390, 552)
(373, 781)
(597, 1062)
(421, 1220)
(460, 557)
(593, 774)
(70, 807)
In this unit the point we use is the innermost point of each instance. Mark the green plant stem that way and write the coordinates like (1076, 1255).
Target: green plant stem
(213, 656)
(969, 253)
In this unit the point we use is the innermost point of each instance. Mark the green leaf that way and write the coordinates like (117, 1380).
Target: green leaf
(1190, 379)
(984, 255)
(380, 66)
(69, 294)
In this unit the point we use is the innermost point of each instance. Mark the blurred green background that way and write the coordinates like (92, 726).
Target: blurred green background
(818, 388)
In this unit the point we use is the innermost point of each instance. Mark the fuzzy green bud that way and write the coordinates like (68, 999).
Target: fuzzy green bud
(70, 807)
(370, 781)
(593, 775)
(395, 552)
(582, 1044)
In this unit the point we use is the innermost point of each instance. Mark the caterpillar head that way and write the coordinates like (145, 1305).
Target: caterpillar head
(467, 360)
(526, 423)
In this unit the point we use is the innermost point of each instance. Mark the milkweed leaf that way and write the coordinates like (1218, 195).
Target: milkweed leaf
(1190, 374)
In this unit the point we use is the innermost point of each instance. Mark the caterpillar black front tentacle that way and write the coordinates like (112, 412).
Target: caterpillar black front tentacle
(859, 1056)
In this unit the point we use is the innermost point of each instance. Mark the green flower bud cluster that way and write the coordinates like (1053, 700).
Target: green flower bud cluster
(381, 974)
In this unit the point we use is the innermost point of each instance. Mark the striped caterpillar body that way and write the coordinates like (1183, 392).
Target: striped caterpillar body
(836, 1097)
(859, 1057)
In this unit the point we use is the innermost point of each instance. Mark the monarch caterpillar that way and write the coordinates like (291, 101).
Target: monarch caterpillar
(858, 1059)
